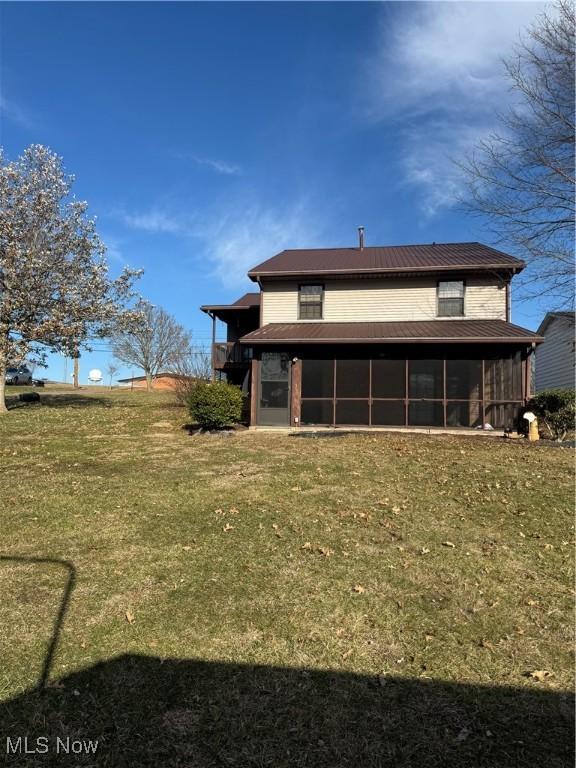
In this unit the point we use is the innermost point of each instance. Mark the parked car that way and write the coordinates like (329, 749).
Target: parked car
(21, 375)
(37, 382)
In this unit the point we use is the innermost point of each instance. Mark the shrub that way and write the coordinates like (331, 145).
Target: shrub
(215, 405)
(556, 408)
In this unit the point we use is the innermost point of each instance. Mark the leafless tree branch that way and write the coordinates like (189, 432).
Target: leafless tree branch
(153, 342)
(521, 178)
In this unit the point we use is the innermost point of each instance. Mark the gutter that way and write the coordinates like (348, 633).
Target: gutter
(514, 268)
(401, 340)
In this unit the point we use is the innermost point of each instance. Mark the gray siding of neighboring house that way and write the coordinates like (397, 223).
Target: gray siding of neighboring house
(555, 357)
(348, 301)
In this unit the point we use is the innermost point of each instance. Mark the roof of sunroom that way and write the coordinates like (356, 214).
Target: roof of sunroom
(417, 331)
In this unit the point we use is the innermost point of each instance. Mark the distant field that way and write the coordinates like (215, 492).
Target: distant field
(269, 600)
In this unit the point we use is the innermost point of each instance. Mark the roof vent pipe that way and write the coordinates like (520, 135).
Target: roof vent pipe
(361, 238)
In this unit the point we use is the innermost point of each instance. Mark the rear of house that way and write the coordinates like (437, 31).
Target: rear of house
(555, 357)
(397, 336)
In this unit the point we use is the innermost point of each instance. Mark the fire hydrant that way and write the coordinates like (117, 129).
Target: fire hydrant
(533, 434)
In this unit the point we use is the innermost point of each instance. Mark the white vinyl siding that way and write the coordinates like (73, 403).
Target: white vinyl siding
(374, 300)
(555, 357)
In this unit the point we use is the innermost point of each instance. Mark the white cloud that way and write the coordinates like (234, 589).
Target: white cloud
(12, 111)
(248, 234)
(220, 166)
(233, 238)
(156, 220)
(428, 160)
(113, 249)
(439, 69)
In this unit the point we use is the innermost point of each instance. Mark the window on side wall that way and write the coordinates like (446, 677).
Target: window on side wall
(451, 298)
(310, 299)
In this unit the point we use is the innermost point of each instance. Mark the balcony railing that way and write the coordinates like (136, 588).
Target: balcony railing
(230, 353)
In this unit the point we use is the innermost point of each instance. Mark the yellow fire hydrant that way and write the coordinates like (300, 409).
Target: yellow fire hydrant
(533, 434)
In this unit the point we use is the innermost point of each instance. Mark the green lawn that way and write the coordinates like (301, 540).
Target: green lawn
(270, 600)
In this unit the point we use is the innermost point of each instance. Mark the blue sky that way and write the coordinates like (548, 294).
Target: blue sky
(207, 137)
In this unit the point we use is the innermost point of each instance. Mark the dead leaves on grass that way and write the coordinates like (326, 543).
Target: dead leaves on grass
(232, 511)
(540, 675)
(316, 549)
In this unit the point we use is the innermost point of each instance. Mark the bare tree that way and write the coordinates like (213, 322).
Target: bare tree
(193, 367)
(112, 368)
(154, 342)
(521, 179)
(55, 291)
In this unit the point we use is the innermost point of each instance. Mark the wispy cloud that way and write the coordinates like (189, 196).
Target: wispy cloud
(236, 236)
(439, 70)
(248, 234)
(219, 166)
(11, 111)
(156, 220)
(113, 249)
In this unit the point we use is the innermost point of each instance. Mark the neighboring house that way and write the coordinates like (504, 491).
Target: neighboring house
(416, 335)
(159, 381)
(555, 358)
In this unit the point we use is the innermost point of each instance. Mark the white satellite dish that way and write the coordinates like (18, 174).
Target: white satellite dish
(95, 376)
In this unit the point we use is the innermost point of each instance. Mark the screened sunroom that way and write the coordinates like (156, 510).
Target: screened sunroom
(392, 389)
(462, 380)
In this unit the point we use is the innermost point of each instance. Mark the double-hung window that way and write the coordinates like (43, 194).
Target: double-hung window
(310, 299)
(451, 298)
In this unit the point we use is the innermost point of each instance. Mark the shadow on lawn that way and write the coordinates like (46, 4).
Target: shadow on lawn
(69, 584)
(60, 401)
(147, 711)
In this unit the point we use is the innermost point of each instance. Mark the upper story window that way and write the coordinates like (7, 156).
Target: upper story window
(310, 300)
(451, 298)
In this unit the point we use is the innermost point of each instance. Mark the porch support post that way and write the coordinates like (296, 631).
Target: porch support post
(213, 316)
(406, 392)
(483, 406)
(370, 392)
(444, 403)
(296, 393)
(527, 376)
(253, 391)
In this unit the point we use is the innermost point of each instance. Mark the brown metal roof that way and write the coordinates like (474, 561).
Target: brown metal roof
(382, 259)
(248, 301)
(422, 331)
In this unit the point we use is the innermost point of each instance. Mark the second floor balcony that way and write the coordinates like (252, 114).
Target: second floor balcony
(230, 353)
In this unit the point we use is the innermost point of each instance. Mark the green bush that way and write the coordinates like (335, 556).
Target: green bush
(556, 408)
(215, 405)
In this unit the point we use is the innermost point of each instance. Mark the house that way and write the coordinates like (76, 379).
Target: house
(165, 380)
(394, 336)
(555, 363)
